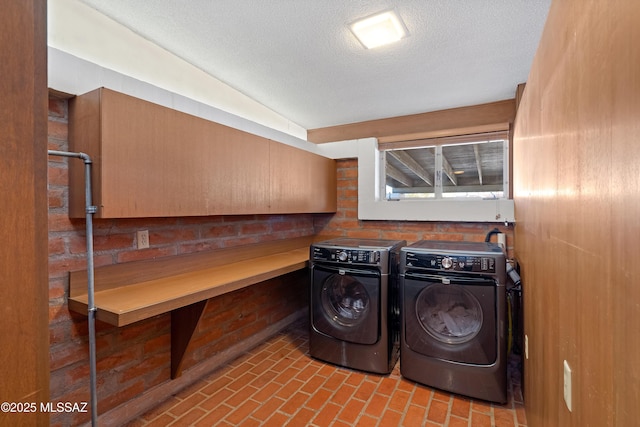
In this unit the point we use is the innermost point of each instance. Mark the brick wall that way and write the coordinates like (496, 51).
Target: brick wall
(135, 358)
(346, 223)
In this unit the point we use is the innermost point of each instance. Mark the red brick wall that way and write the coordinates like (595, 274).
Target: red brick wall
(346, 223)
(135, 358)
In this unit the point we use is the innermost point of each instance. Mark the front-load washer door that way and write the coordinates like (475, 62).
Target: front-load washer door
(345, 303)
(452, 319)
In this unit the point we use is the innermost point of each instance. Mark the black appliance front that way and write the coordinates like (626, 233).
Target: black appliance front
(454, 320)
(347, 303)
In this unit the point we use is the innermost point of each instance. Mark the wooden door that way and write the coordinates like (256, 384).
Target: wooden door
(24, 333)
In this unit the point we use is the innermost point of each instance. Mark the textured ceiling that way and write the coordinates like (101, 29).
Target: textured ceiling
(299, 58)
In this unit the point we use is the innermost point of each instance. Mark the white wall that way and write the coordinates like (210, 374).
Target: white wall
(89, 50)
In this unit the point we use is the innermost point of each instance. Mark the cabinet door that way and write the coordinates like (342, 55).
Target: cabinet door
(174, 164)
(154, 161)
(301, 181)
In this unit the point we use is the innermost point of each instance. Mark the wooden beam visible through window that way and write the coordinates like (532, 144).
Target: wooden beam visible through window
(448, 170)
(398, 176)
(411, 164)
(476, 152)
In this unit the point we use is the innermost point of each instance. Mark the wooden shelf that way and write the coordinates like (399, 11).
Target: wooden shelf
(133, 302)
(127, 293)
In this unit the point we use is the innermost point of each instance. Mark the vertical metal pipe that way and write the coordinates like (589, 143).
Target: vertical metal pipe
(91, 313)
(91, 308)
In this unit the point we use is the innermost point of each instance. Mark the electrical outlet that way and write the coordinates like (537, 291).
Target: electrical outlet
(526, 347)
(142, 237)
(567, 385)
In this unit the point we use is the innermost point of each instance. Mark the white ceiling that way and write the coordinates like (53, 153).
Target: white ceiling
(299, 58)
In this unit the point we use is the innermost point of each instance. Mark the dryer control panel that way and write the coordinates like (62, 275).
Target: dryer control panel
(346, 255)
(466, 263)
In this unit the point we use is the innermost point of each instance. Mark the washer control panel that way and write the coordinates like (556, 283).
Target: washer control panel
(451, 262)
(346, 255)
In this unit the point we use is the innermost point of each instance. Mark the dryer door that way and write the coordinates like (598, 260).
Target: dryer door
(345, 303)
(451, 318)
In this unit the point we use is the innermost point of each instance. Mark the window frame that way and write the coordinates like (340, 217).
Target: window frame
(438, 166)
(373, 205)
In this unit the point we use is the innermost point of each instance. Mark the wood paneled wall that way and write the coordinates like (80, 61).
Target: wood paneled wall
(434, 124)
(577, 198)
(24, 336)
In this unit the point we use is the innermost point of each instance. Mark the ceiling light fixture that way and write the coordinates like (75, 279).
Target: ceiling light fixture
(380, 29)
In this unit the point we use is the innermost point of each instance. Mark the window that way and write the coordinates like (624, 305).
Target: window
(463, 156)
(383, 197)
(471, 170)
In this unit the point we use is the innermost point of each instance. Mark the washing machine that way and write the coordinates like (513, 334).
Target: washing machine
(354, 303)
(453, 329)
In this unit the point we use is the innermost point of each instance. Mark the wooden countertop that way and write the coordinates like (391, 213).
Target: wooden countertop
(133, 302)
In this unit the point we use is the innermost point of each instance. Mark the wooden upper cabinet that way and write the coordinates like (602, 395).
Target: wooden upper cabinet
(301, 181)
(152, 161)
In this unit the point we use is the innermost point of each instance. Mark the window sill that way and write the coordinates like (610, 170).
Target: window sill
(498, 210)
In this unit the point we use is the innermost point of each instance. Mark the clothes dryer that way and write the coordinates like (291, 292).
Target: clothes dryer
(453, 333)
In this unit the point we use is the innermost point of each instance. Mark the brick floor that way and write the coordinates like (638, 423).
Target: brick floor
(278, 384)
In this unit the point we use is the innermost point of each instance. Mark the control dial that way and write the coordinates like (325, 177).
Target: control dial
(447, 262)
(342, 256)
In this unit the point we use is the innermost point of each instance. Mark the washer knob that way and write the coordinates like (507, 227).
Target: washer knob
(342, 256)
(447, 262)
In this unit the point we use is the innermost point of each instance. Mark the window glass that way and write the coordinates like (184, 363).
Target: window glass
(463, 170)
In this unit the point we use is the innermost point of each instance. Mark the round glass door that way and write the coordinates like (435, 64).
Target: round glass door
(345, 299)
(449, 313)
